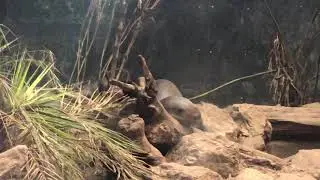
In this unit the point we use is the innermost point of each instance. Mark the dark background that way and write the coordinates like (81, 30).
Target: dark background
(198, 44)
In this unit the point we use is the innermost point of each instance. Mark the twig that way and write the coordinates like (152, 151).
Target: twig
(315, 15)
(231, 82)
(81, 61)
(116, 48)
(317, 81)
(101, 71)
(136, 27)
(128, 29)
(133, 27)
(272, 16)
(126, 54)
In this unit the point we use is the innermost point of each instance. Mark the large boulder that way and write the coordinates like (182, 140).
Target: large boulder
(208, 150)
(306, 160)
(220, 154)
(217, 120)
(252, 120)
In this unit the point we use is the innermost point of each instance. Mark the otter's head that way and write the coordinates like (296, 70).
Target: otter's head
(184, 111)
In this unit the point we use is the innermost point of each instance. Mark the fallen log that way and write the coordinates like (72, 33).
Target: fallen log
(294, 123)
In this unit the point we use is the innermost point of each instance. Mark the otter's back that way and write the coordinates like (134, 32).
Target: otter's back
(166, 88)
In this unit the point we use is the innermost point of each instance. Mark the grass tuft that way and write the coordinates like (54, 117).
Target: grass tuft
(61, 127)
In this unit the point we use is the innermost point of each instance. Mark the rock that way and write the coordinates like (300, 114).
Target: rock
(217, 120)
(252, 174)
(12, 160)
(208, 150)
(251, 129)
(298, 123)
(281, 149)
(252, 120)
(168, 171)
(312, 105)
(255, 142)
(220, 154)
(306, 159)
(252, 117)
(284, 149)
(254, 158)
(295, 176)
(285, 121)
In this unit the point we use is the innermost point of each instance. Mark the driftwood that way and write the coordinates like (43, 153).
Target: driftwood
(133, 128)
(162, 130)
(295, 123)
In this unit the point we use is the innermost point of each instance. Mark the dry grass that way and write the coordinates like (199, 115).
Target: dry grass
(60, 126)
(293, 82)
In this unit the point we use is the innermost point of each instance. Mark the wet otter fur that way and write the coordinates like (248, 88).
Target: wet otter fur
(181, 108)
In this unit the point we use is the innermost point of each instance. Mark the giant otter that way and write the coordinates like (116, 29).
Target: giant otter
(181, 108)
(166, 88)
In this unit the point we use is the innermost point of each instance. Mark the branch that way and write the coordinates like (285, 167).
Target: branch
(231, 82)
